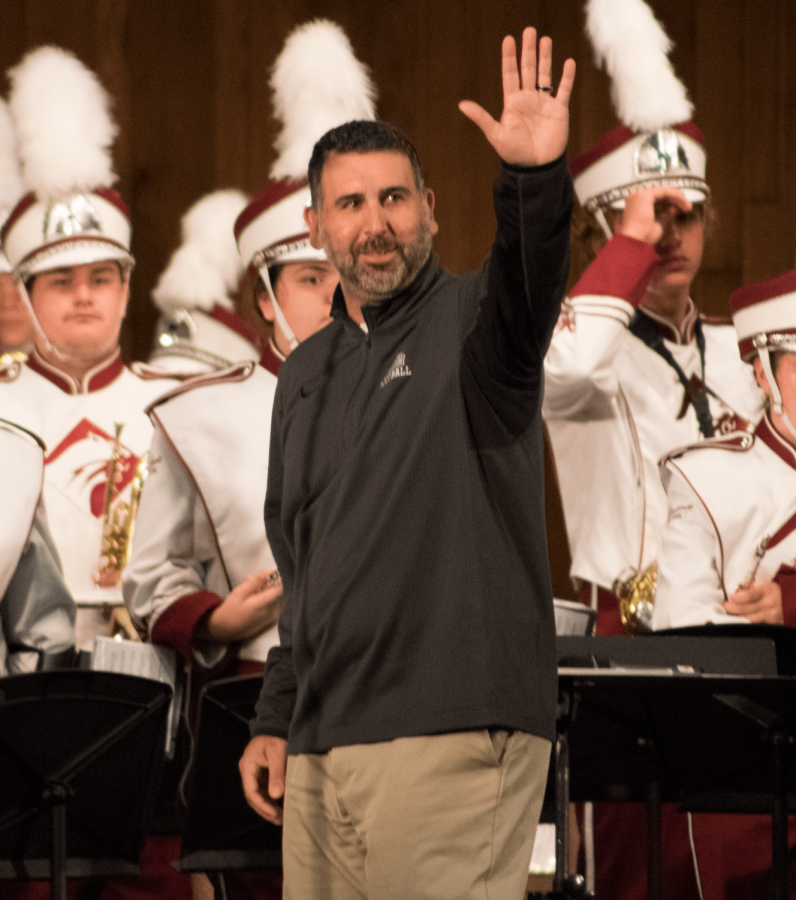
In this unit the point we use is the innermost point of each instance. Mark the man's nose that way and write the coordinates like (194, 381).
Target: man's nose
(375, 218)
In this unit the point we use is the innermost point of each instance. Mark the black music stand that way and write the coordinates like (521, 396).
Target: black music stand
(222, 832)
(721, 743)
(783, 636)
(605, 747)
(80, 759)
(729, 745)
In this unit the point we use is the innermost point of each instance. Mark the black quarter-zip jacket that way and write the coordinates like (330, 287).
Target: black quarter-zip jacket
(405, 503)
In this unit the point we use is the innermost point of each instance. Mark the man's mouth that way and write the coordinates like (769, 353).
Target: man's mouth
(377, 251)
(376, 259)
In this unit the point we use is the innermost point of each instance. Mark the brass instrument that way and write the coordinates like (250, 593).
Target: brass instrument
(636, 595)
(118, 520)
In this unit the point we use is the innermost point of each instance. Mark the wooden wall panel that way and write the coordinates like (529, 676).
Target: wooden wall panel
(190, 82)
(231, 93)
(718, 112)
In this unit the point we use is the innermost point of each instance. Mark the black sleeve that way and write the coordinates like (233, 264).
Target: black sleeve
(522, 287)
(274, 708)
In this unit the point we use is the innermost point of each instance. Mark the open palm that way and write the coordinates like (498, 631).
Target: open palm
(534, 125)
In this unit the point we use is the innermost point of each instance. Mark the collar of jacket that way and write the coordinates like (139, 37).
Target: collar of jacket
(668, 330)
(398, 306)
(94, 380)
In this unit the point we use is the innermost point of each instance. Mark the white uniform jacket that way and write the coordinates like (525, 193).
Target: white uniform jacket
(76, 422)
(732, 518)
(201, 527)
(613, 407)
(36, 612)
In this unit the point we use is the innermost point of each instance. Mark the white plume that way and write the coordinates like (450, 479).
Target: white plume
(206, 268)
(634, 48)
(64, 126)
(11, 188)
(317, 84)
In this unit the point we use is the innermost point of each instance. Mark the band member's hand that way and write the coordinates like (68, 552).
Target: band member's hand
(534, 126)
(758, 602)
(647, 212)
(262, 773)
(254, 605)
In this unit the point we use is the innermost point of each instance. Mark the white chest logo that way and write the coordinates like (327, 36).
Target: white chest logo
(398, 369)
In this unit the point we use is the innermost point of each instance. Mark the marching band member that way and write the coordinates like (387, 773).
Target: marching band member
(200, 550)
(37, 615)
(729, 555)
(634, 369)
(202, 578)
(68, 242)
(199, 330)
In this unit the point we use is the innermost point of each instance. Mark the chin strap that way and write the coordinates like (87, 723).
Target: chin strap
(761, 344)
(599, 214)
(47, 343)
(280, 316)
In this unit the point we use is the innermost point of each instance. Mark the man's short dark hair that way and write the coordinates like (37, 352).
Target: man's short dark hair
(361, 136)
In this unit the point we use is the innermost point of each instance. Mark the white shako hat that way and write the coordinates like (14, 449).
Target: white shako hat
(657, 144)
(317, 84)
(10, 178)
(764, 315)
(65, 132)
(206, 268)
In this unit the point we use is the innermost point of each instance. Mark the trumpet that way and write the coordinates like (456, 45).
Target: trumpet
(118, 519)
(636, 594)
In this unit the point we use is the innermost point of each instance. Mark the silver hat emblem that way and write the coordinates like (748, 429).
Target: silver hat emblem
(77, 216)
(660, 153)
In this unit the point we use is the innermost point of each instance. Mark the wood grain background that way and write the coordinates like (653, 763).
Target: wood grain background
(189, 78)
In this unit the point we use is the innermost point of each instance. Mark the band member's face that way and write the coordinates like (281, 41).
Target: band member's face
(785, 373)
(786, 379)
(16, 328)
(304, 292)
(80, 308)
(680, 248)
(373, 223)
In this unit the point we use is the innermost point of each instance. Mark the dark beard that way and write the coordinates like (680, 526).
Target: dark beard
(375, 282)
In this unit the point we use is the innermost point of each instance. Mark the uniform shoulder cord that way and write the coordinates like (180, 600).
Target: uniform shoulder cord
(645, 329)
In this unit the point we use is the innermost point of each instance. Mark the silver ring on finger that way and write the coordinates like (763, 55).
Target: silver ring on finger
(543, 89)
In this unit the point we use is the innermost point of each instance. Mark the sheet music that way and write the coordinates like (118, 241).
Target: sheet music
(144, 661)
(622, 670)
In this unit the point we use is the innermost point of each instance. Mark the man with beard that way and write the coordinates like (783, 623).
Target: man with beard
(415, 682)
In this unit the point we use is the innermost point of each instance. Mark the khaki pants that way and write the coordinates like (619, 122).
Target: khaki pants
(444, 817)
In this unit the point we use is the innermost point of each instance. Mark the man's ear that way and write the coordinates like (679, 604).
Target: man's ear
(311, 218)
(432, 222)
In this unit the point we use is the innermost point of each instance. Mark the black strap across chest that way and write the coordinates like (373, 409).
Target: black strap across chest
(645, 329)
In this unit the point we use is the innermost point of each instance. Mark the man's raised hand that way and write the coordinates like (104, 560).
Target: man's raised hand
(534, 126)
